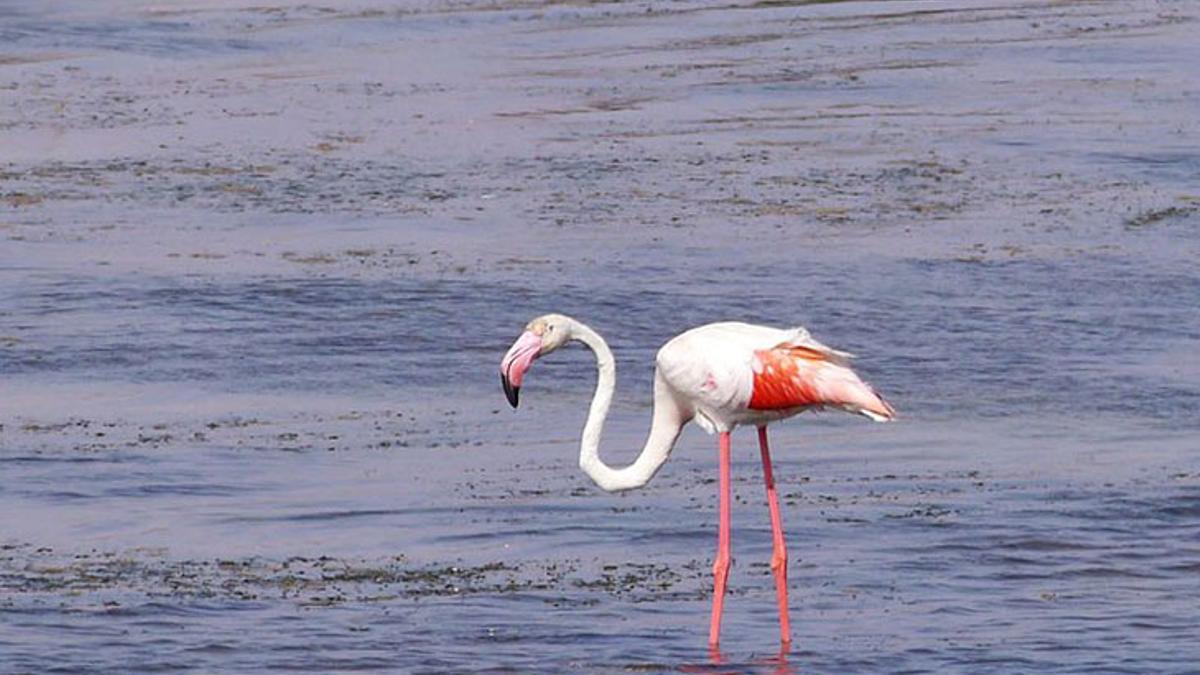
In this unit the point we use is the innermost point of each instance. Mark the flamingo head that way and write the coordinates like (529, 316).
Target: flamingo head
(542, 336)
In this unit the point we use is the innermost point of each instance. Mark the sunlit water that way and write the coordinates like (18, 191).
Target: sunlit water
(251, 411)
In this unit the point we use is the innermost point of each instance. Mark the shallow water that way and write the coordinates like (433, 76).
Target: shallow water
(259, 263)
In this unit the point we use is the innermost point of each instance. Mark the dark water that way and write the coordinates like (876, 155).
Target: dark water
(258, 264)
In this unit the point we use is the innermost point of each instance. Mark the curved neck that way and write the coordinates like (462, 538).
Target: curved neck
(664, 428)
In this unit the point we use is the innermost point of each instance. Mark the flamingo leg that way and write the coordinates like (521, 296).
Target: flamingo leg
(722, 562)
(779, 557)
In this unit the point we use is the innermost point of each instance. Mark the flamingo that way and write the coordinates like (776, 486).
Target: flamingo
(720, 375)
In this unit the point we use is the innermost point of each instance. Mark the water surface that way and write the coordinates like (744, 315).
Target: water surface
(260, 262)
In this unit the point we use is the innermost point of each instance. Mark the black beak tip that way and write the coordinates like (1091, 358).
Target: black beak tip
(510, 392)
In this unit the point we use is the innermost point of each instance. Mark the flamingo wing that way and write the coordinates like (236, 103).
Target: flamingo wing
(804, 373)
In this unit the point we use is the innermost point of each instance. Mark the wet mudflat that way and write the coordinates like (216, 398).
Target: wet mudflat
(258, 263)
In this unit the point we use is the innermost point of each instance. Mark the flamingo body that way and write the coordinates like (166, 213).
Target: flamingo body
(729, 374)
(721, 375)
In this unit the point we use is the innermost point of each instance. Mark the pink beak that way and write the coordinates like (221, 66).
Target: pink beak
(518, 359)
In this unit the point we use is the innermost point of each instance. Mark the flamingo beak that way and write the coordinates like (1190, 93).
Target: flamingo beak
(514, 364)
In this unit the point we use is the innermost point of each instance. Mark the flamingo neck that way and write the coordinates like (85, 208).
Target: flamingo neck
(664, 430)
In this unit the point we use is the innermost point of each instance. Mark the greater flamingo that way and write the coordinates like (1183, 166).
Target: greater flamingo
(720, 375)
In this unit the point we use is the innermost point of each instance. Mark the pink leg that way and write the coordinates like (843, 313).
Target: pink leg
(721, 564)
(779, 557)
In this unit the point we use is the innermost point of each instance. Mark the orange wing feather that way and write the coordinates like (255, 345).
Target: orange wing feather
(784, 378)
(795, 376)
